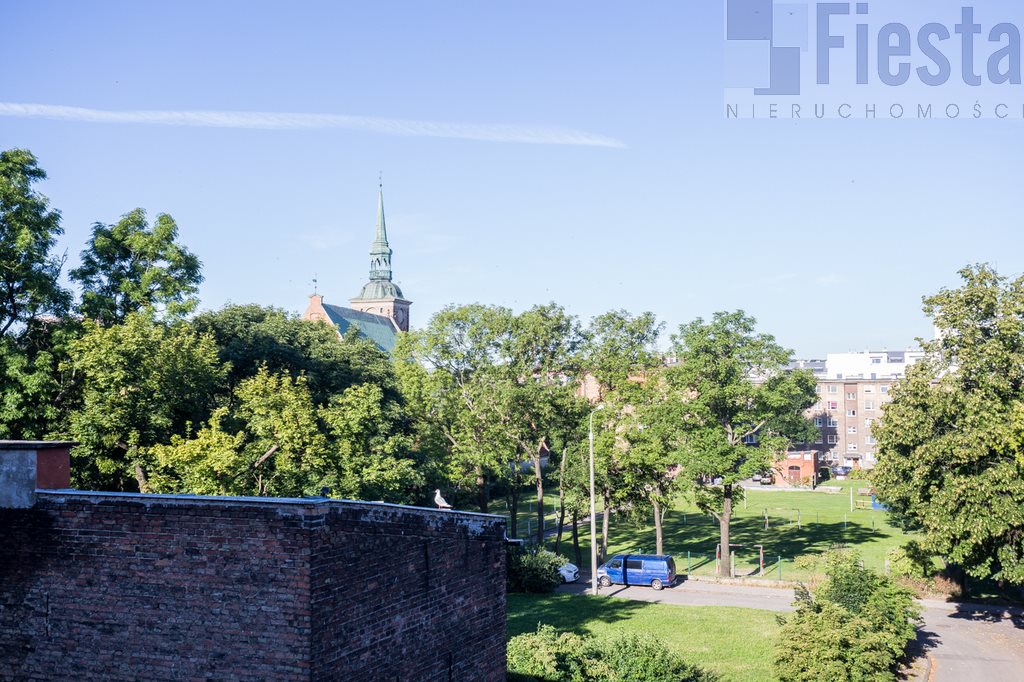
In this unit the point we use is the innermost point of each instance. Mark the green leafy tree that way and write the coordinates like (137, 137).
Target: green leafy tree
(270, 444)
(619, 353)
(619, 347)
(29, 275)
(446, 369)
(737, 408)
(252, 337)
(372, 446)
(498, 388)
(39, 389)
(142, 383)
(951, 442)
(276, 442)
(129, 266)
(541, 366)
(648, 472)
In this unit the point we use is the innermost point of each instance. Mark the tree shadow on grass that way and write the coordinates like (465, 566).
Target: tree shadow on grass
(567, 612)
(699, 536)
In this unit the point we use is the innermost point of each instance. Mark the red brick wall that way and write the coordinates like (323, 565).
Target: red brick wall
(119, 587)
(401, 595)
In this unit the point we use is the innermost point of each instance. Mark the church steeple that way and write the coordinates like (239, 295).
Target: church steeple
(380, 295)
(380, 251)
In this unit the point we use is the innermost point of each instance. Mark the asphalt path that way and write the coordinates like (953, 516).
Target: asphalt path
(956, 642)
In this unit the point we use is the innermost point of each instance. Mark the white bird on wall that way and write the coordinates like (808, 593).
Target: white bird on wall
(439, 501)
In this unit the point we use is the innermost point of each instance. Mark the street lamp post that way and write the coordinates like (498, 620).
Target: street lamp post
(593, 509)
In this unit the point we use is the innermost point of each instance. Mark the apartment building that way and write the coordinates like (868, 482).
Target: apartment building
(853, 389)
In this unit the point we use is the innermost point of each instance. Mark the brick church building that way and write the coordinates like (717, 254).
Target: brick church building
(380, 310)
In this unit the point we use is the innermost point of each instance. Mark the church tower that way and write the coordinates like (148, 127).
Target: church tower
(380, 295)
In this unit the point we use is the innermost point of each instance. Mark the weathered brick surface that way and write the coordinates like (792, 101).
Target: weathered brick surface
(105, 587)
(405, 595)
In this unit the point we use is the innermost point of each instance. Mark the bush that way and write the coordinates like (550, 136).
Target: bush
(532, 570)
(909, 561)
(544, 655)
(856, 626)
(556, 657)
(643, 658)
(806, 562)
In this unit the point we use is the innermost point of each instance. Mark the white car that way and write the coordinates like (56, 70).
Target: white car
(569, 573)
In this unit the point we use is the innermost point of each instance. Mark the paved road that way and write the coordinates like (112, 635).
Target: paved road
(957, 642)
(967, 644)
(694, 593)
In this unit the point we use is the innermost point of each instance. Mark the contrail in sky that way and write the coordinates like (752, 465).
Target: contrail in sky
(258, 120)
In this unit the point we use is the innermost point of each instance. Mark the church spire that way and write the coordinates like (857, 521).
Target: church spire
(380, 295)
(380, 251)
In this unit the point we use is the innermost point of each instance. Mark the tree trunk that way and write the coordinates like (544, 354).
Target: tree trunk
(481, 489)
(723, 524)
(140, 478)
(576, 539)
(561, 500)
(539, 480)
(658, 535)
(605, 517)
(513, 506)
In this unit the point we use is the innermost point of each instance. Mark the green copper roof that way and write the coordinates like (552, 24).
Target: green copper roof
(380, 241)
(377, 289)
(380, 285)
(376, 328)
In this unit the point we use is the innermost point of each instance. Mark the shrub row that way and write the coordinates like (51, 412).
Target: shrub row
(554, 656)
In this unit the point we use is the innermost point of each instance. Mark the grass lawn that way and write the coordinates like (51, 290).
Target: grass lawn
(736, 643)
(799, 523)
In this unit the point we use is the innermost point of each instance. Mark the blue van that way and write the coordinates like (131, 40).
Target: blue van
(638, 569)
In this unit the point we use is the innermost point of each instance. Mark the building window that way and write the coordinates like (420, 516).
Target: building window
(750, 440)
(869, 389)
(851, 429)
(833, 439)
(851, 447)
(833, 422)
(869, 421)
(833, 389)
(833, 405)
(876, 361)
(851, 396)
(819, 440)
(869, 404)
(851, 413)
(884, 388)
(818, 421)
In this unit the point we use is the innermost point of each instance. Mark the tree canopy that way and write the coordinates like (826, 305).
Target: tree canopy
(29, 273)
(738, 407)
(951, 442)
(129, 266)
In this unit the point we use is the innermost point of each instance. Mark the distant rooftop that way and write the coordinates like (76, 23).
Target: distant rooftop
(376, 328)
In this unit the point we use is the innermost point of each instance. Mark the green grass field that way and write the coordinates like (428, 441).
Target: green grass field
(736, 643)
(799, 523)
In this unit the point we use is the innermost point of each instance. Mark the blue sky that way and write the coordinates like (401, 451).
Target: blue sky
(829, 232)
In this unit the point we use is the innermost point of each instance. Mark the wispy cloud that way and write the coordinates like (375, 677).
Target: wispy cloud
(257, 120)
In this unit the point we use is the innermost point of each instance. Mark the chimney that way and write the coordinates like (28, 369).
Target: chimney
(30, 465)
